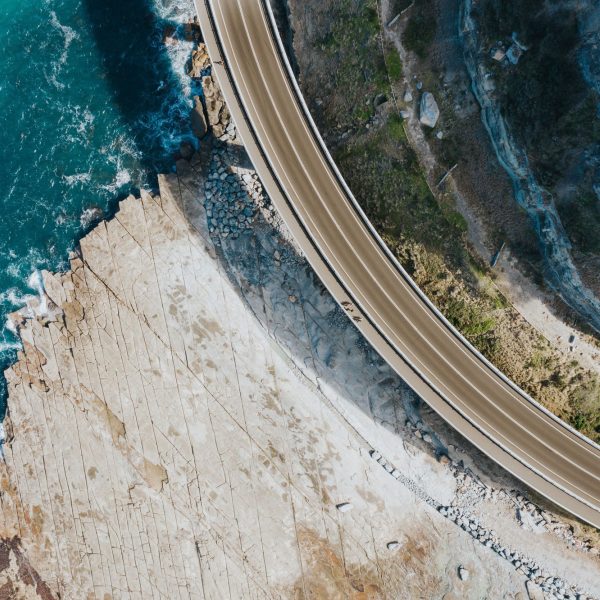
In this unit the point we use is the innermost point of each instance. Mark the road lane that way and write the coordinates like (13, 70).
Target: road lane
(356, 267)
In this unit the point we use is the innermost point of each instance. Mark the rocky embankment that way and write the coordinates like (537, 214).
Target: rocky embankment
(192, 416)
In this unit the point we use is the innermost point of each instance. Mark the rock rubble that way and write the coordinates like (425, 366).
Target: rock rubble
(217, 112)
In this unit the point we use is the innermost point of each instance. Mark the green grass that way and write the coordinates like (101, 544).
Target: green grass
(455, 219)
(363, 113)
(466, 317)
(351, 43)
(396, 128)
(540, 360)
(394, 64)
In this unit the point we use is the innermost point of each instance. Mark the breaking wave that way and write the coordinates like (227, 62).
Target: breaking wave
(72, 148)
(69, 35)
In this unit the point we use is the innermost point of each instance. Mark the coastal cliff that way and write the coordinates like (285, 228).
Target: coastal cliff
(161, 446)
(193, 416)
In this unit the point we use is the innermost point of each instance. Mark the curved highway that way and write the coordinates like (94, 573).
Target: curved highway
(360, 272)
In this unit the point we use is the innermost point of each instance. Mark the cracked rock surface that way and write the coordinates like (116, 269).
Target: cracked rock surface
(164, 447)
(192, 416)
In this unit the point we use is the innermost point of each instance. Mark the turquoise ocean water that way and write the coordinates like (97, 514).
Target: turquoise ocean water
(93, 105)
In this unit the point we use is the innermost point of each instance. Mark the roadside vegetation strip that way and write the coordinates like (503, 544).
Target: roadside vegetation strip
(424, 229)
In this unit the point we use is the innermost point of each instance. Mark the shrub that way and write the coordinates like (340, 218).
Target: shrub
(394, 64)
(420, 29)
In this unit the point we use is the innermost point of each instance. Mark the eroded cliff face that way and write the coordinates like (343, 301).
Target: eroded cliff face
(562, 271)
(536, 65)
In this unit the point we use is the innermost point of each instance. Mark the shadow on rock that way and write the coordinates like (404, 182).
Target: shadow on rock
(131, 40)
(225, 203)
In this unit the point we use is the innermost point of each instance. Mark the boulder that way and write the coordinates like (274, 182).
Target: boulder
(513, 54)
(429, 111)
(197, 118)
(533, 591)
(379, 100)
(200, 61)
(216, 110)
(170, 35)
(191, 31)
(444, 459)
(498, 53)
(463, 573)
(408, 96)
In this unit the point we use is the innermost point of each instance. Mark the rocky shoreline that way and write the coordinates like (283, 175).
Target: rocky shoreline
(159, 440)
(148, 385)
(192, 416)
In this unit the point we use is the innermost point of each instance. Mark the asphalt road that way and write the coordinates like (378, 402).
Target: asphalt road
(356, 267)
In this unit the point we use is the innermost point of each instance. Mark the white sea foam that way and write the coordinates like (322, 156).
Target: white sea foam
(10, 326)
(13, 268)
(78, 122)
(9, 342)
(8, 346)
(85, 122)
(68, 33)
(89, 215)
(77, 178)
(15, 297)
(125, 147)
(178, 11)
(36, 282)
(179, 55)
(122, 178)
